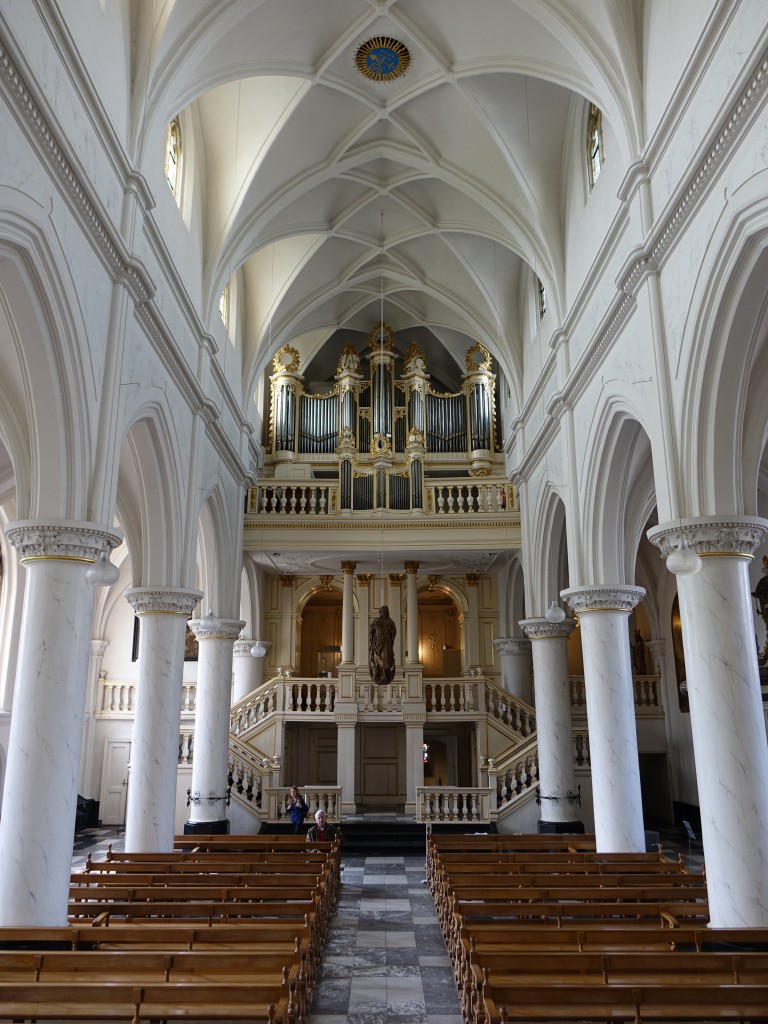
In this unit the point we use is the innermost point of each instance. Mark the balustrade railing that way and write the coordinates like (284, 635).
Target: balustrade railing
(327, 798)
(293, 499)
(505, 707)
(646, 689)
(249, 771)
(461, 498)
(451, 695)
(380, 696)
(115, 697)
(516, 775)
(465, 804)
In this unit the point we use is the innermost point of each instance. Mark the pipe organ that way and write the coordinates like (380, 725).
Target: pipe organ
(385, 431)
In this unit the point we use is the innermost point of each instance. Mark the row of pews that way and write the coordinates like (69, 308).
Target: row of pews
(544, 928)
(226, 928)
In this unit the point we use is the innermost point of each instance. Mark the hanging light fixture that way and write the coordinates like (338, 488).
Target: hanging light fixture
(210, 621)
(684, 560)
(102, 573)
(554, 613)
(258, 650)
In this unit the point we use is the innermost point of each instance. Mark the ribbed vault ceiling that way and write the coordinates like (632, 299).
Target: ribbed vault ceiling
(326, 193)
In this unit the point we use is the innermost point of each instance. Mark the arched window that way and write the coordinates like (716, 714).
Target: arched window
(173, 157)
(595, 152)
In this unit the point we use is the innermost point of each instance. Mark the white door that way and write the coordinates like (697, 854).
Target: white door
(114, 782)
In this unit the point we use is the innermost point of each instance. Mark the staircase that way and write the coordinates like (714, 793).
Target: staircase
(383, 835)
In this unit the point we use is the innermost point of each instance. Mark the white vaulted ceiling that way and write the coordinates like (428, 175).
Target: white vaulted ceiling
(323, 189)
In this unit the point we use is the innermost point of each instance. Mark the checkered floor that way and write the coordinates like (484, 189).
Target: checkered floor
(385, 961)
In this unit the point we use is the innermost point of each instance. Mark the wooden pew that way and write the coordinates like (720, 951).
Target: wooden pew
(694, 1002)
(260, 1001)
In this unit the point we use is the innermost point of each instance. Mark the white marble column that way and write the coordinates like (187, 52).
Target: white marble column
(727, 722)
(603, 612)
(560, 806)
(348, 614)
(85, 786)
(515, 656)
(40, 797)
(245, 670)
(286, 656)
(411, 613)
(208, 797)
(150, 816)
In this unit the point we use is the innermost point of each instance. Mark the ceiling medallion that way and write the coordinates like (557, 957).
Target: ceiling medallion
(382, 59)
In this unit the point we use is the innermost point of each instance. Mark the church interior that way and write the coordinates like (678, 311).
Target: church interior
(314, 310)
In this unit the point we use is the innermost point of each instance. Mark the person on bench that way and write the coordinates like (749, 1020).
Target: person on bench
(322, 831)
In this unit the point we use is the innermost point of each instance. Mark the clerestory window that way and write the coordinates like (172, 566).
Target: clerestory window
(173, 157)
(595, 152)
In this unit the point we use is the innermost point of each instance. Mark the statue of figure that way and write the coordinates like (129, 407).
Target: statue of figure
(638, 654)
(381, 647)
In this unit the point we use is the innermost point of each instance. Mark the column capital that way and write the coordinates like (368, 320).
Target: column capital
(98, 647)
(658, 649)
(348, 567)
(411, 568)
(473, 579)
(603, 598)
(364, 579)
(396, 579)
(739, 536)
(225, 629)
(163, 601)
(67, 539)
(543, 629)
(243, 647)
(512, 645)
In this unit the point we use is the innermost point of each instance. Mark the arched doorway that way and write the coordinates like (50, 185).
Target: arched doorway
(320, 639)
(439, 634)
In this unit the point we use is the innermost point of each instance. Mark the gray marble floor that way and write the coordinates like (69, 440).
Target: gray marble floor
(385, 961)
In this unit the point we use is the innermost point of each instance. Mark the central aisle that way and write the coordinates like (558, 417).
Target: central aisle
(385, 961)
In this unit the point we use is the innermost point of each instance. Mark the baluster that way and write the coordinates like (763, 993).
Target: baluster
(440, 500)
(451, 501)
(263, 499)
(273, 501)
(292, 500)
(302, 500)
(323, 501)
(474, 814)
(463, 696)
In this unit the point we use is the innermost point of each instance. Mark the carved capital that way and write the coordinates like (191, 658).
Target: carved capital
(68, 540)
(433, 581)
(225, 629)
(658, 649)
(396, 579)
(146, 600)
(739, 536)
(512, 645)
(473, 579)
(326, 581)
(286, 581)
(348, 567)
(543, 629)
(242, 648)
(411, 568)
(364, 579)
(603, 598)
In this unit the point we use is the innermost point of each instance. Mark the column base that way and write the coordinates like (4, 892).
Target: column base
(207, 828)
(559, 828)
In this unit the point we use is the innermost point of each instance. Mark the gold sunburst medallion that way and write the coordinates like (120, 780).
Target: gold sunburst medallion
(382, 59)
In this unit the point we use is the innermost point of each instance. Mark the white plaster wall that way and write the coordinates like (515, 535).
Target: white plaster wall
(668, 35)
